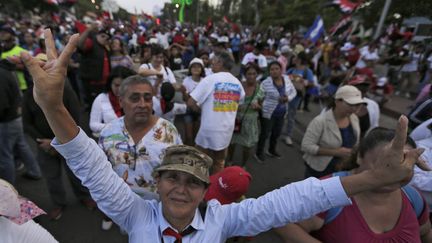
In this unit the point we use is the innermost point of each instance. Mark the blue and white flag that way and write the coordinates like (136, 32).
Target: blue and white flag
(316, 30)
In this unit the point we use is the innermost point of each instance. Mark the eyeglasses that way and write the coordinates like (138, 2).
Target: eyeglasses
(136, 97)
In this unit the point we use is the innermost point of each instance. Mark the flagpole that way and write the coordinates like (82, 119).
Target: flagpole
(382, 18)
(197, 15)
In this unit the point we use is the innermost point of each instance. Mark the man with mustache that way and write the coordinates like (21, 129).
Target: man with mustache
(182, 179)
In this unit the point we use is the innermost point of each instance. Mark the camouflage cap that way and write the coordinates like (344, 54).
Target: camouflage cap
(186, 159)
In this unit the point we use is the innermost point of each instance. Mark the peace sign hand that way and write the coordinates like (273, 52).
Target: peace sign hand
(49, 78)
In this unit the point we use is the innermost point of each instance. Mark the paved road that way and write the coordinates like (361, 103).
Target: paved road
(78, 224)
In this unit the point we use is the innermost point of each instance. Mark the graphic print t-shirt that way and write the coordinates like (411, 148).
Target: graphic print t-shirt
(218, 95)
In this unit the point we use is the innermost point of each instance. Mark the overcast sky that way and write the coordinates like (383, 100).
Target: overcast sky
(146, 5)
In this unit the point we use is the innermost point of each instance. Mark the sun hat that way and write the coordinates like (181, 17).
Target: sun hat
(350, 95)
(186, 159)
(228, 185)
(15, 208)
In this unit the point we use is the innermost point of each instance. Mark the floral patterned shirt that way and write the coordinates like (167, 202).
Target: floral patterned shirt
(135, 162)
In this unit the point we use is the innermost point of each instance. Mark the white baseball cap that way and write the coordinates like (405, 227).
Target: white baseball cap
(350, 95)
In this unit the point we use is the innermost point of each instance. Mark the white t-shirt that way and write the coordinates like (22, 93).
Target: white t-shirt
(218, 95)
(251, 57)
(168, 75)
(412, 65)
(189, 84)
(30, 231)
(178, 109)
(365, 54)
(208, 71)
(163, 39)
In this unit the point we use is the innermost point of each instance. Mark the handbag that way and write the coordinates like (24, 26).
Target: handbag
(238, 122)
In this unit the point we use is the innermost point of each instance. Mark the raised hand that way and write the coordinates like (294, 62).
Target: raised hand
(395, 165)
(49, 78)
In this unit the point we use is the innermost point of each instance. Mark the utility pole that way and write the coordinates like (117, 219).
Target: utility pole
(382, 18)
(197, 12)
(257, 13)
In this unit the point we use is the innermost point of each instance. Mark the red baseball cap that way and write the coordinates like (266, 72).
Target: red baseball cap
(228, 185)
(358, 79)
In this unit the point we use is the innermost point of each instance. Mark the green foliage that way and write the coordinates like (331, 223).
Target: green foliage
(294, 13)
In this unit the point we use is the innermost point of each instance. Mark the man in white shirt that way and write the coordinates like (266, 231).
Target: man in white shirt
(218, 96)
(368, 53)
(183, 178)
(256, 57)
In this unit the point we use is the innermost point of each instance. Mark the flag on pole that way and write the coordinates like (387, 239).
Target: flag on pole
(347, 6)
(341, 25)
(316, 30)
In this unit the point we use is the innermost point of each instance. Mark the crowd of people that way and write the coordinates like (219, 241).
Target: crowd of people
(148, 89)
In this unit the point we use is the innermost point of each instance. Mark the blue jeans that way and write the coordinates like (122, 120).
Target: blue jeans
(292, 110)
(12, 139)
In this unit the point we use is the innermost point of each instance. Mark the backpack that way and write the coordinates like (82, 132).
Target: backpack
(412, 194)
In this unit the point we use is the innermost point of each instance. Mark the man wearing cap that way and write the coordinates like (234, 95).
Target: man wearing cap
(95, 64)
(10, 48)
(182, 179)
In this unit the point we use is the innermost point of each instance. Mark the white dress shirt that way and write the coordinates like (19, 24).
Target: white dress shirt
(144, 221)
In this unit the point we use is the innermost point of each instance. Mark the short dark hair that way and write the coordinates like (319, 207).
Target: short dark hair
(252, 65)
(122, 50)
(373, 138)
(156, 50)
(131, 80)
(118, 72)
(225, 58)
(273, 63)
